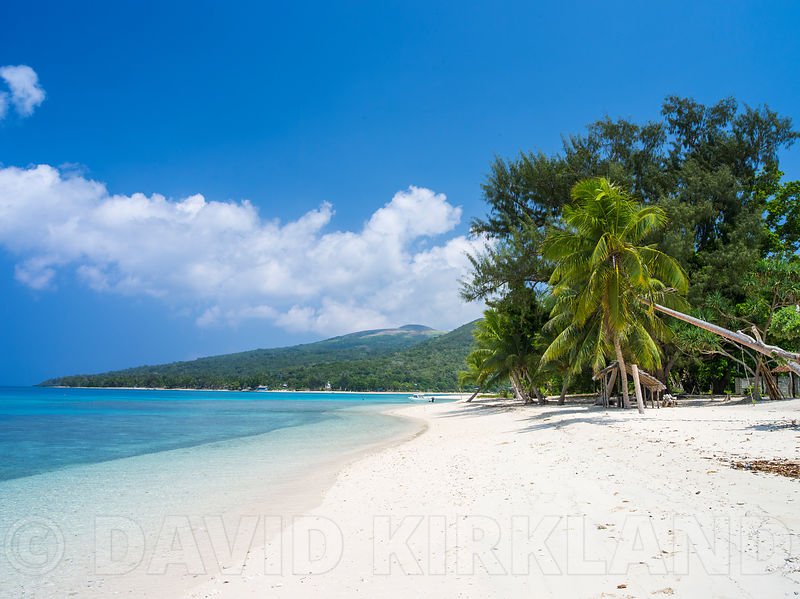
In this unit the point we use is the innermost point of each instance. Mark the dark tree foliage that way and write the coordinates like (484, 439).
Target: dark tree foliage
(700, 163)
(512, 266)
(712, 168)
(782, 212)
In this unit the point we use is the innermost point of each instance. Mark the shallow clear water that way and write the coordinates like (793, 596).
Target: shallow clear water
(70, 458)
(44, 429)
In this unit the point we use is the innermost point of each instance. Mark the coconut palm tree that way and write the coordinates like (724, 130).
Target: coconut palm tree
(602, 272)
(476, 374)
(505, 351)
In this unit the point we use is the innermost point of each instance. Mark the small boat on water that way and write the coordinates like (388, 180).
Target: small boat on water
(434, 398)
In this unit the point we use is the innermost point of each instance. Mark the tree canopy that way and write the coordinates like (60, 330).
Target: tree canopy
(602, 273)
(712, 172)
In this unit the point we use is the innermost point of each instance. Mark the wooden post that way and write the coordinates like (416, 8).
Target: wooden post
(610, 385)
(637, 387)
(603, 395)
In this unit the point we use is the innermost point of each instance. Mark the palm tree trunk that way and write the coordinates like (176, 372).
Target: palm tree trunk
(667, 368)
(563, 397)
(792, 358)
(515, 384)
(526, 378)
(473, 396)
(626, 401)
(539, 397)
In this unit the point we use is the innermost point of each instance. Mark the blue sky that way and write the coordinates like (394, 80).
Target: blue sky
(344, 125)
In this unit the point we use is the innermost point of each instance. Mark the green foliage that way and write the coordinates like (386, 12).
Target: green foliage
(701, 164)
(772, 285)
(712, 169)
(712, 376)
(693, 341)
(476, 375)
(405, 359)
(512, 265)
(786, 324)
(783, 219)
(505, 349)
(602, 275)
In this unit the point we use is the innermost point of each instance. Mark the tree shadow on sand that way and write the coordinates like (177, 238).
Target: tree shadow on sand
(561, 418)
(538, 415)
(553, 416)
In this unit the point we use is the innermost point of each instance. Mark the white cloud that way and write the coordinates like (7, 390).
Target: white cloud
(225, 264)
(25, 92)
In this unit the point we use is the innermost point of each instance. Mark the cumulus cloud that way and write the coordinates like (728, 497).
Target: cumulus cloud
(25, 93)
(226, 264)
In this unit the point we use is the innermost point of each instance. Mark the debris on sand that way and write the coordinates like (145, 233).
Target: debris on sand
(790, 468)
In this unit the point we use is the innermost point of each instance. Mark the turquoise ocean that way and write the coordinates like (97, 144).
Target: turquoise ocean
(46, 429)
(71, 456)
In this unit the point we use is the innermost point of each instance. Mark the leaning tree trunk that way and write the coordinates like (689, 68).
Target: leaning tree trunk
(563, 397)
(667, 369)
(539, 397)
(519, 391)
(756, 344)
(473, 396)
(515, 386)
(626, 401)
(773, 391)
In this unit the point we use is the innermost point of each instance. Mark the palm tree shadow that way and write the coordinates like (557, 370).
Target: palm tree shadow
(554, 417)
(564, 417)
(563, 423)
(538, 415)
(776, 425)
(482, 408)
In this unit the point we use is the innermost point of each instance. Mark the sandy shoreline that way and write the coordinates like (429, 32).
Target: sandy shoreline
(497, 500)
(452, 394)
(158, 524)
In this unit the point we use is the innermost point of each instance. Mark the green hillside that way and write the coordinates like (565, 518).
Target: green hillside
(403, 359)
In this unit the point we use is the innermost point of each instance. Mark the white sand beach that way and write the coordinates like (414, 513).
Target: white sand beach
(500, 500)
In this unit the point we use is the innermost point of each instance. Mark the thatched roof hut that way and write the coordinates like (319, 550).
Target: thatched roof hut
(651, 386)
(648, 380)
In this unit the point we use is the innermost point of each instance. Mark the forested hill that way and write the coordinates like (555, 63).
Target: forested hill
(403, 359)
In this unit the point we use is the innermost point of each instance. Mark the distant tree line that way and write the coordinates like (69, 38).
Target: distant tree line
(418, 362)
